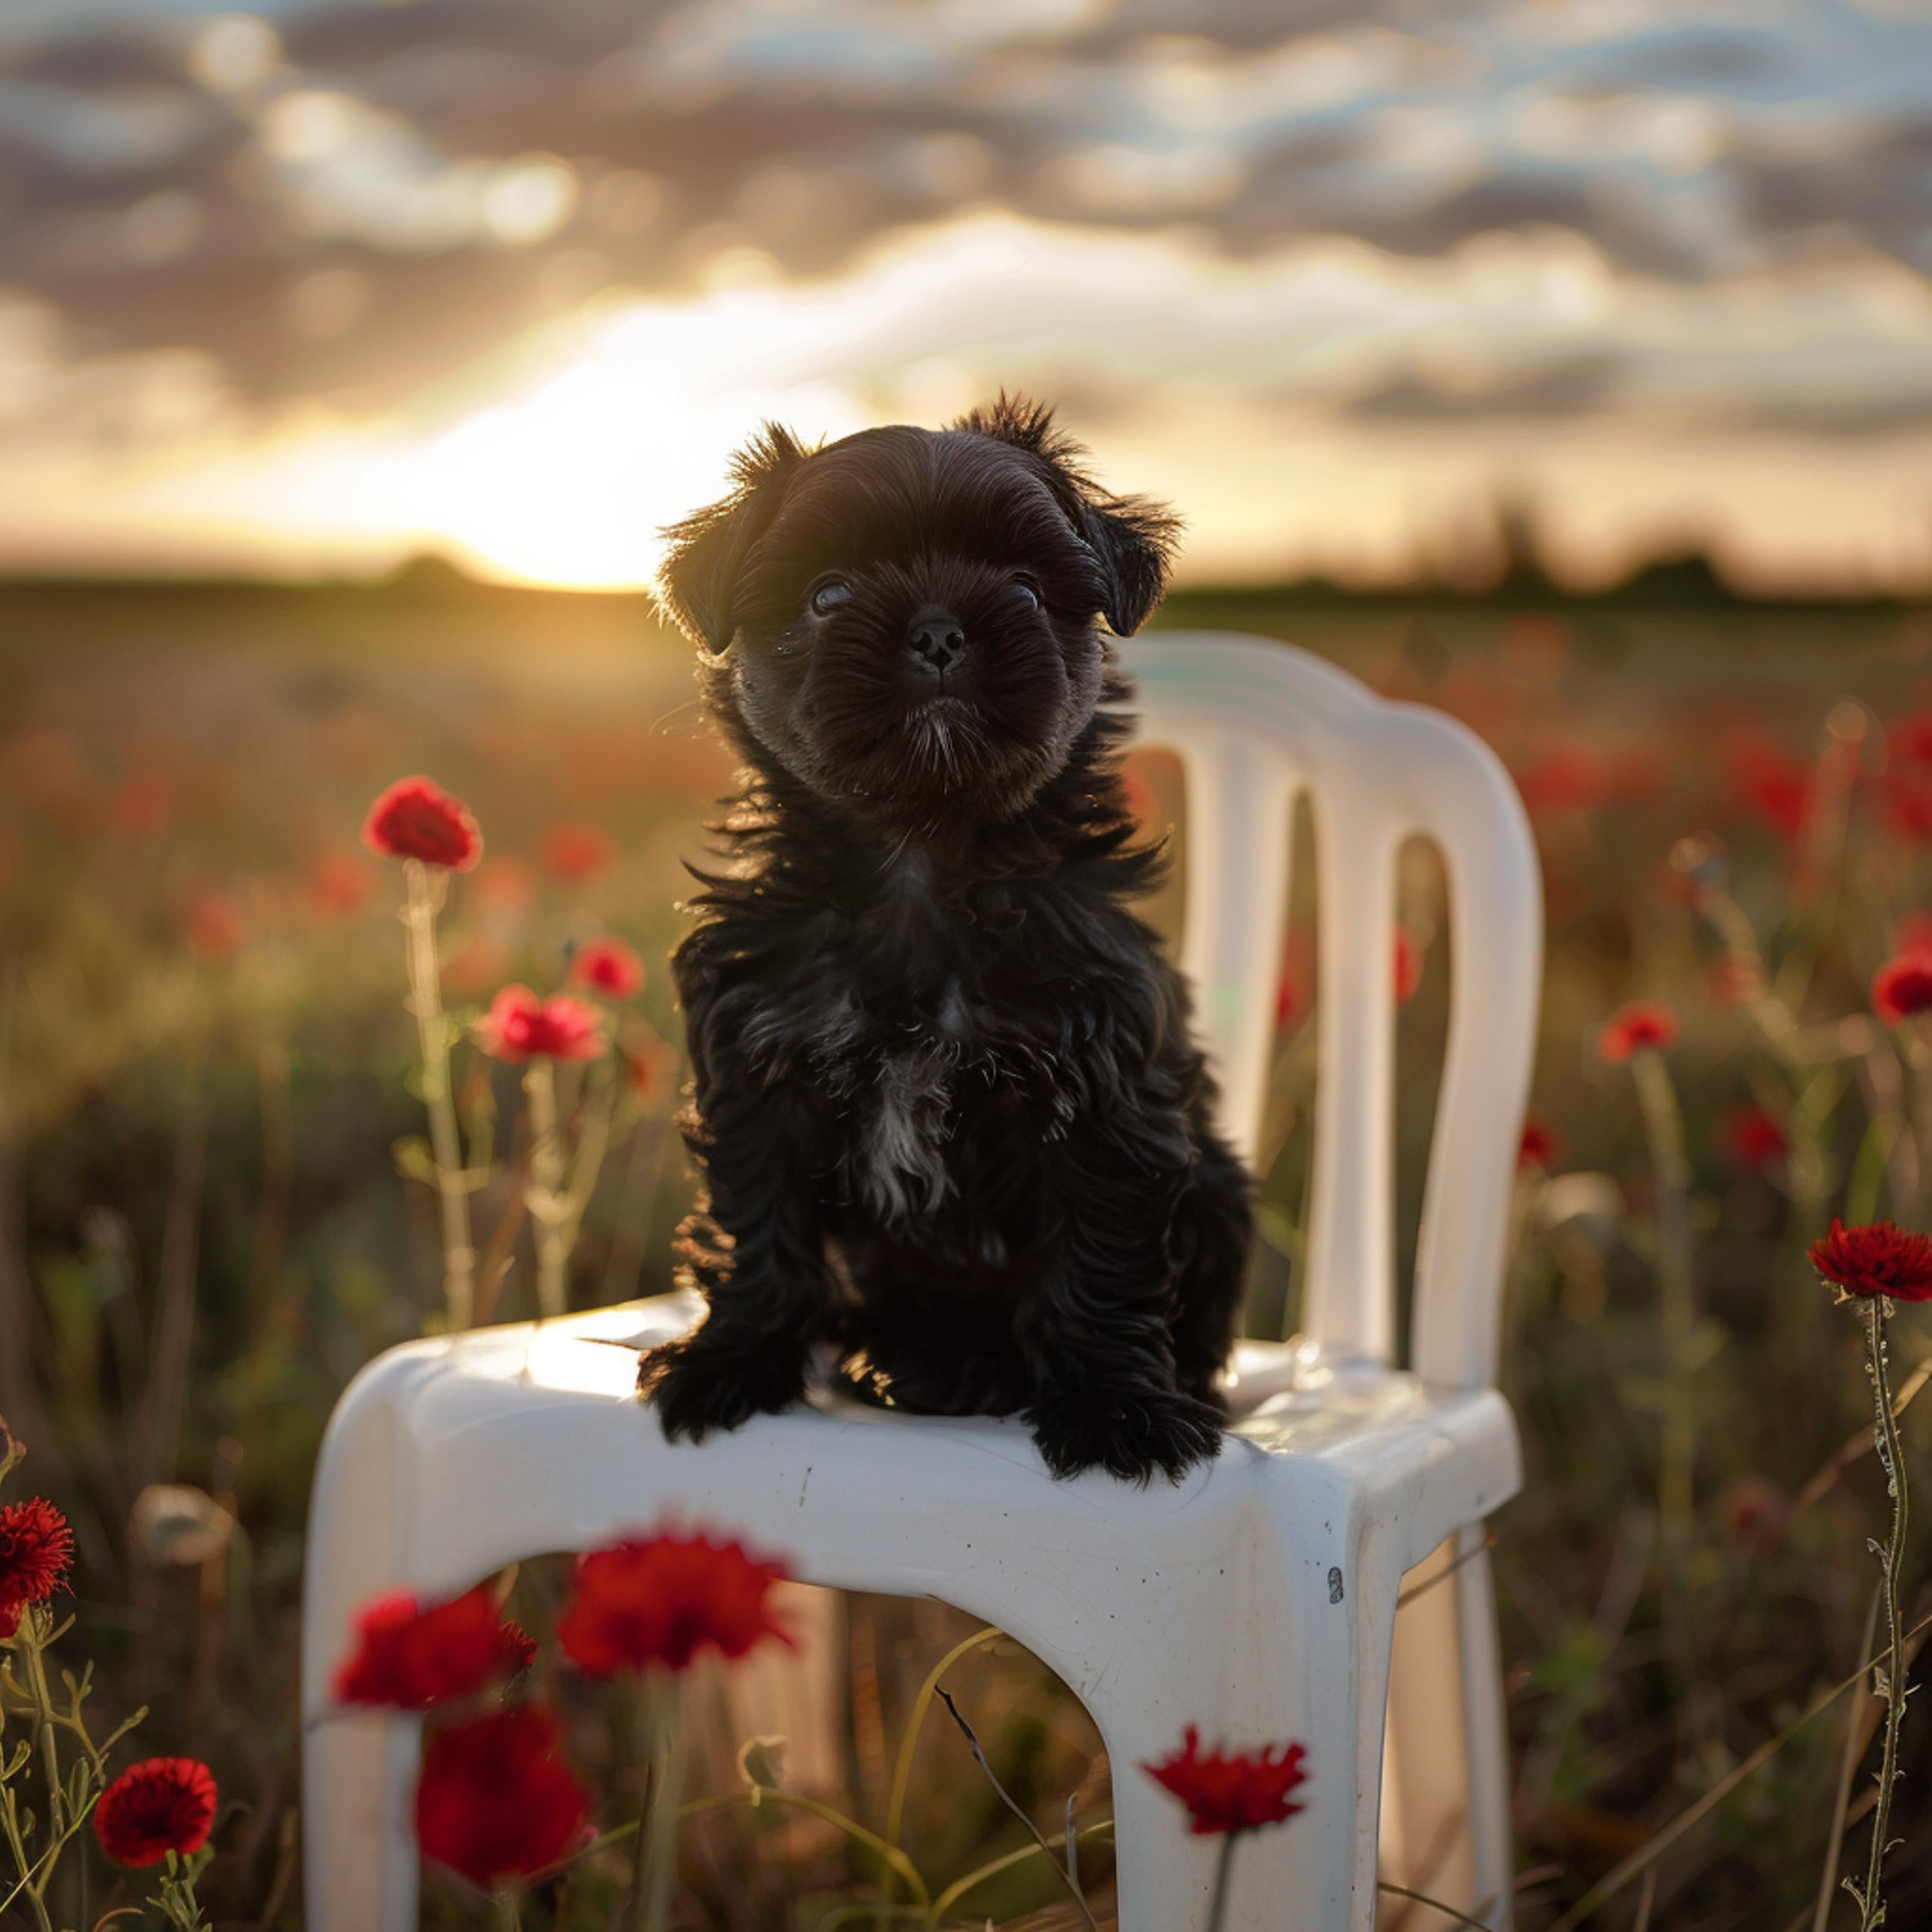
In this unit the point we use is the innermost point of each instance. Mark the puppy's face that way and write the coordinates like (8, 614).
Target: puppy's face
(909, 620)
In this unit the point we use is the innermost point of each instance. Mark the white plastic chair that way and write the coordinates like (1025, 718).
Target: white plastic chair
(1258, 1598)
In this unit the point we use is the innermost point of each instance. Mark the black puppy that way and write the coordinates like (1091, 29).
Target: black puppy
(946, 1104)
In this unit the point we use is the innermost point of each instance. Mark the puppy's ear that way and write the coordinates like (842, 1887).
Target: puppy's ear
(1131, 538)
(698, 584)
(1134, 539)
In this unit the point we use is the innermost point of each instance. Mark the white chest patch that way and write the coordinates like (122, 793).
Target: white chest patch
(900, 1157)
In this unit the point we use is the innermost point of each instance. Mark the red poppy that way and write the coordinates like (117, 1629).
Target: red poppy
(573, 849)
(1294, 995)
(339, 884)
(519, 1026)
(609, 966)
(1567, 778)
(411, 1657)
(495, 1799)
(1774, 785)
(1880, 1259)
(1910, 739)
(1288, 1001)
(36, 1552)
(660, 1600)
(478, 964)
(1906, 800)
(1752, 1139)
(1408, 964)
(1643, 1024)
(415, 818)
(10, 1621)
(1541, 1145)
(649, 1065)
(161, 1805)
(1225, 1792)
(1753, 1510)
(1901, 989)
(213, 926)
(506, 884)
(141, 804)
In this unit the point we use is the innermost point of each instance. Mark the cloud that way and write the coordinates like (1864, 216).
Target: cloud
(1701, 215)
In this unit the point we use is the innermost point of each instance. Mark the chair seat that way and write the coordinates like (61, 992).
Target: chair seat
(554, 1404)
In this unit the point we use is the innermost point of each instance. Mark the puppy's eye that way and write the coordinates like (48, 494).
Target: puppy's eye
(1030, 590)
(826, 598)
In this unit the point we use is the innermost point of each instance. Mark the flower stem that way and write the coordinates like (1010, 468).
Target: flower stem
(459, 1255)
(1663, 1126)
(549, 1209)
(1871, 1898)
(43, 1722)
(1224, 1875)
(507, 1908)
(657, 1831)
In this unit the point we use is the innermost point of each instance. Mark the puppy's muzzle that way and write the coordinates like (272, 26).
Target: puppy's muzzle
(936, 640)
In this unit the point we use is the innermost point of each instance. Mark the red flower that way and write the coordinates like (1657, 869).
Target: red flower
(1753, 1139)
(161, 1805)
(1754, 1511)
(1907, 800)
(1224, 1793)
(415, 818)
(1294, 996)
(660, 1600)
(1901, 988)
(339, 884)
(10, 1621)
(1408, 965)
(36, 1553)
(1775, 786)
(1643, 1023)
(495, 1800)
(649, 1066)
(519, 1026)
(213, 926)
(1541, 1145)
(507, 884)
(412, 1658)
(1567, 778)
(1913, 933)
(1910, 739)
(142, 803)
(573, 849)
(607, 966)
(1881, 1259)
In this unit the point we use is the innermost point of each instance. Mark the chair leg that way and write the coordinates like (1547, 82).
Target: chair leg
(358, 1770)
(1323, 1687)
(1448, 1833)
(1487, 1731)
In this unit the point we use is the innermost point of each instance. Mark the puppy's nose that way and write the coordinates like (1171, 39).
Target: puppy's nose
(936, 638)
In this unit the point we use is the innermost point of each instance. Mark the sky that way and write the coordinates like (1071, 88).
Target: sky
(316, 287)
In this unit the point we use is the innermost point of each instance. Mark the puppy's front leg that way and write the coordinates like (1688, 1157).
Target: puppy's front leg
(1096, 1329)
(756, 1249)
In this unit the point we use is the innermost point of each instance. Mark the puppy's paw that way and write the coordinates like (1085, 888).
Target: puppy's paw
(1134, 1437)
(696, 1387)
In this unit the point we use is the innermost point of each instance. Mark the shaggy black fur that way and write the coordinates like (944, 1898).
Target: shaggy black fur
(945, 1102)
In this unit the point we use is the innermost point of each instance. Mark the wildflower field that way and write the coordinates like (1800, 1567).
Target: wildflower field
(219, 1196)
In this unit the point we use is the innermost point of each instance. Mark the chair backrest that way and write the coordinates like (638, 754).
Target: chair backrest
(1256, 723)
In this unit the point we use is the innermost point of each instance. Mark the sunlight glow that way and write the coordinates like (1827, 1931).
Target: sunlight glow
(1245, 391)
